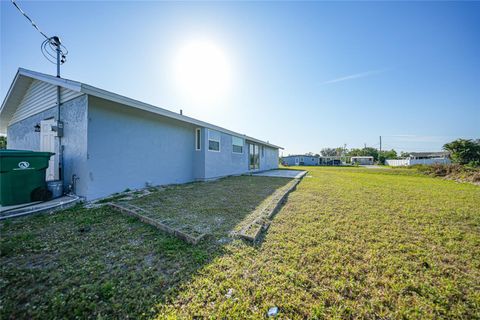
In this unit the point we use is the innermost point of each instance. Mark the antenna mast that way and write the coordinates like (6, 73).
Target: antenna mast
(57, 43)
(56, 53)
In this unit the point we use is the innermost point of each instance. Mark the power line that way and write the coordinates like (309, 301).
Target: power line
(29, 19)
(52, 48)
(49, 48)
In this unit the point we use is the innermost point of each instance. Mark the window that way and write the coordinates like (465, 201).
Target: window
(301, 159)
(213, 140)
(237, 145)
(263, 151)
(198, 140)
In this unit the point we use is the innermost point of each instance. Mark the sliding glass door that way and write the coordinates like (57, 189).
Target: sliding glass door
(253, 156)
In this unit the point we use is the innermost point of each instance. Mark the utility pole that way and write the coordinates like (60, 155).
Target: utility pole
(59, 126)
(380, 143)
(57, 43)
(49, 45)
(365, 145)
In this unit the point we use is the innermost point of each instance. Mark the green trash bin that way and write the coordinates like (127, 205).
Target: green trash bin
(22, 176)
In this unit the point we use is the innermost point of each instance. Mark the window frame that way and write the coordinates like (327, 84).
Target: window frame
(253, 156)
(233, 144)
(198, 139)
(215, 140)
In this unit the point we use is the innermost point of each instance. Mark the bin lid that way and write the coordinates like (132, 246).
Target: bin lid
(24, 153)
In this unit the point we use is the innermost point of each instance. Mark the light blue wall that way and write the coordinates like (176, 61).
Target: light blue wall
(22, 135)
(111, 147)
(269, 158)
(310, 161)
(225, 162)
(129, 148)
(199, 157)
(307, 160)
(74, 115)
(289, 161)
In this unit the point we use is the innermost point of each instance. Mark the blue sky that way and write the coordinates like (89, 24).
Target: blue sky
(303, 75)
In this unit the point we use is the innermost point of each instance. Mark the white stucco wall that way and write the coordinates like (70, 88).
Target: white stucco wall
(411, 162)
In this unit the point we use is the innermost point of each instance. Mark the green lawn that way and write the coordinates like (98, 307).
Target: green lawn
(349, 243)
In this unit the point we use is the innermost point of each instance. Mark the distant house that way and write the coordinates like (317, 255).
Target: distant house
(330, 160)
(309, 160)
(426, 158)
(428, 155)
(362, 160)
(300, 160)
(110, 142)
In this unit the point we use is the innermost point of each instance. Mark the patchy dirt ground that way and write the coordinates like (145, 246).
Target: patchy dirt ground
(216, 208)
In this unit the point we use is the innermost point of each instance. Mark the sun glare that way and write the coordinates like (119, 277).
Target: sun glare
(202, 71)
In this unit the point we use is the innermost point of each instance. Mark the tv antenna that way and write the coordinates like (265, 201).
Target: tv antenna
(52, 48)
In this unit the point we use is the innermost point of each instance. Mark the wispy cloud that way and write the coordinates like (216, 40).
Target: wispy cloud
(356, 76)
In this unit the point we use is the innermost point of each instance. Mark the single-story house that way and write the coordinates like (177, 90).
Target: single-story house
(330, 160)
(362, 160)
(428, 155)
(105, 143)
(300, 160)
(427, 158)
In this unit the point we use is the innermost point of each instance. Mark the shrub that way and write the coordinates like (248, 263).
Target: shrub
(464, 151)
(450, 171)
(474, 164)
(476, 177)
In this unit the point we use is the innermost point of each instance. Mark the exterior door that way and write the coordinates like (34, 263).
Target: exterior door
(253, 156)
(47, 143)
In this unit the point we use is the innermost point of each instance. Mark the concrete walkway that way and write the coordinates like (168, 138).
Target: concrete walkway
(294, 174)
(63, 202)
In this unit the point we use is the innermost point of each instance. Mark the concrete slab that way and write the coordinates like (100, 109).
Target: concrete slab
(293, 174)
(38, 207)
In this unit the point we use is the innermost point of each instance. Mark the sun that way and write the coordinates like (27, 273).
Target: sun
(202, 71)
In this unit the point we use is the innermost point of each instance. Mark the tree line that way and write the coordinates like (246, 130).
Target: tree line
(462, 151)
(378, 156)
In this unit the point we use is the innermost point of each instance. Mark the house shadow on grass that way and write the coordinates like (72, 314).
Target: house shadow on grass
(100, 263)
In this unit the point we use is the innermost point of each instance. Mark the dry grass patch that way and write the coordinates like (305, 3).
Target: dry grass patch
(215, 208)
